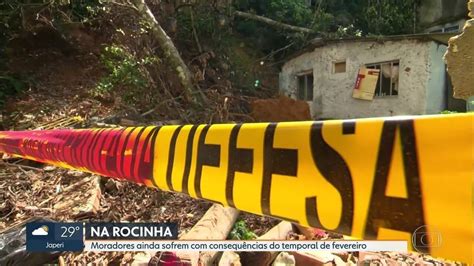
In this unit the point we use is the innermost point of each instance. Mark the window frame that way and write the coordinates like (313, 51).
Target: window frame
(305, 75)
(379, 80)
(334, 63)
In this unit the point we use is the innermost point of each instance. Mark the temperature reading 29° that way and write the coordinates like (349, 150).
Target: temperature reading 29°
(69, 231)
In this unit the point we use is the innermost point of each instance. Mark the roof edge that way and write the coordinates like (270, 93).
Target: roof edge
(320, 42)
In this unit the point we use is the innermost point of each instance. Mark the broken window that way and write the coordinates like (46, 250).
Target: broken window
(387, 83)
(305, 87)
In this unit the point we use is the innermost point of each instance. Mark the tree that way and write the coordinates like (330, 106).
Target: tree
(170, 52)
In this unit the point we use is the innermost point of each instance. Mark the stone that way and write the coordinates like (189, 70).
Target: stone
(460, 61)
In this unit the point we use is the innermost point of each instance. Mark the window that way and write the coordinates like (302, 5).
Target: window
(339, 67)
(387, 83)
(454, 28)
(305, 87)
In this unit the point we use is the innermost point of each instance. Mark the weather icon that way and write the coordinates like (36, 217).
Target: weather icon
(42, 231)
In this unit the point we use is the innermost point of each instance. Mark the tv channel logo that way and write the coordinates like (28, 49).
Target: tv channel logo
(424, 238)
(51, 236)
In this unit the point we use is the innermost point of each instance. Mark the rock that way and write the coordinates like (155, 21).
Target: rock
(460, 61)
(284, 259)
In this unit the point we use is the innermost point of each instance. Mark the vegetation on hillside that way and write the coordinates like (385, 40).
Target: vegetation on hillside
(222, 50)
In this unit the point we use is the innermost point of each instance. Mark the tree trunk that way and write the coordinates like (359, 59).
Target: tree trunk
(273, 23)
(170, 52)
(214, 225)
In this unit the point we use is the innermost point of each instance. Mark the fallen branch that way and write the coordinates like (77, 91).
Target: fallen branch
(22, 166)
(276, 51)
(215, 224)
(273, 23)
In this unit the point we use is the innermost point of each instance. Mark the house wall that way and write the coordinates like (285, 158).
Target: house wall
(436, 96)
(333, 92)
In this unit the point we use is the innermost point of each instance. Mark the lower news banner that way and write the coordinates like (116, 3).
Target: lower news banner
(128, 236)
(57, 236)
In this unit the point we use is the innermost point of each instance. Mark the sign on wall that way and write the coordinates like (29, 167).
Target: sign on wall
(366, 83)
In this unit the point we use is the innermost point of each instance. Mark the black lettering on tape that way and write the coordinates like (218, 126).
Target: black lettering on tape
(335, 170)
(240, 160)
(147, 168)
(348, 127)
(135, 151)
(189, 156)
(275, 161)
(169, 170)
(208, 154)
(403, 214)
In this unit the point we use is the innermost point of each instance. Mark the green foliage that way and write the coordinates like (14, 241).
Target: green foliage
(386, 17)
(125, 71)
(10, 85)
(240, 231)
(330, 18)
(447, 112)
(205, 21)
(14, 13)
(85, 10)
(294, 12)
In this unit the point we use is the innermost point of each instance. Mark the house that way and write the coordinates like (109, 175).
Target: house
(410, 76)
(436, 16)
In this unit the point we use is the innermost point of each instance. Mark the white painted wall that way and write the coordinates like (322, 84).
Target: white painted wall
(333, 92)
(436, 96)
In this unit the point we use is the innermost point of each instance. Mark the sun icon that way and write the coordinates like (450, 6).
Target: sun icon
(45, 228)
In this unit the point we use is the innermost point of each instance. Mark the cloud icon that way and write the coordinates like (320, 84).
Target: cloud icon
(42, 231)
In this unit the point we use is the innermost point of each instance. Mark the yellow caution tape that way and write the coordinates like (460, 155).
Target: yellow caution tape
(408, 178)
